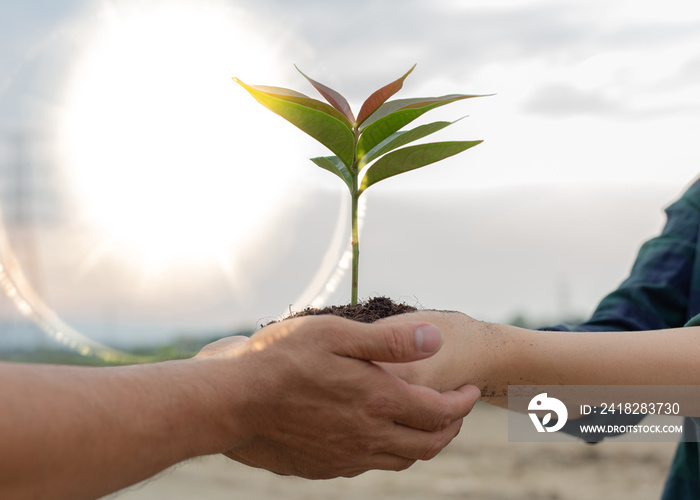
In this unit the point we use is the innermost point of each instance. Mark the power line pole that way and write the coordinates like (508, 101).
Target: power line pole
(19, 206)
(23, 235)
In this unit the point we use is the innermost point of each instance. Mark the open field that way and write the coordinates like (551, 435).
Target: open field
(479, 464)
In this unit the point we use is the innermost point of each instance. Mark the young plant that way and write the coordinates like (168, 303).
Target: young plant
(365, 148)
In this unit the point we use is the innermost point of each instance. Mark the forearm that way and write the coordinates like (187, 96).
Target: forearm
(70, 432)
(589, 363)
(662, 357)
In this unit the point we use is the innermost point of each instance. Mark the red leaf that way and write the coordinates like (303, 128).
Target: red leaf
(380, 96)
(334, 98)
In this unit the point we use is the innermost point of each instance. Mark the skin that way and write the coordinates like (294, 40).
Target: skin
(493, 356)
(301, 397)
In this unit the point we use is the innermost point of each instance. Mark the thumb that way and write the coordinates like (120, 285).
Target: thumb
(390, 342)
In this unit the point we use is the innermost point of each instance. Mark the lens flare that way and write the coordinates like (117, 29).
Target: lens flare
(167, 156)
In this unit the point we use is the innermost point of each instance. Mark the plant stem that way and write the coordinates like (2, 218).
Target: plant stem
(355, 240)
(355, 194)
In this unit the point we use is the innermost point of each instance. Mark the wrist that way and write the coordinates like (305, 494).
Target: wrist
(186, 408)
(498, 351)
(212, 406)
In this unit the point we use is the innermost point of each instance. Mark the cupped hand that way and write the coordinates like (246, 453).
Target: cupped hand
(317, 406)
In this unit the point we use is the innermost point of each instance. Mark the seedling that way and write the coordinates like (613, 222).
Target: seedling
(365, 148)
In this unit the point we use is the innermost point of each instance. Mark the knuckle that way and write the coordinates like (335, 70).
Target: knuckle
(364, 447)
(376, 408)
(382, 408)
(318, 325)
(395, 343)
(440, 419)
(403, 464)
(434, 448)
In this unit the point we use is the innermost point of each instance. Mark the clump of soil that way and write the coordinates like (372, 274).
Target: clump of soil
(367, 311)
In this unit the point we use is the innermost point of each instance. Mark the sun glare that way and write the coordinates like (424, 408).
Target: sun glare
(166, 154)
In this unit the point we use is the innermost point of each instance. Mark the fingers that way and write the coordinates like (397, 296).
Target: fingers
(413, 444)
(425, 409)
(240, 458)
(381, 461)
(426, 422)
(390, 342)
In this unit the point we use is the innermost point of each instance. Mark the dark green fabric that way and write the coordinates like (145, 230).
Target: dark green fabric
(683, 480)
(662, 291)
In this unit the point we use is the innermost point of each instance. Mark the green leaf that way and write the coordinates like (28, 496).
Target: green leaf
(335, 166)
(396, 104)
(401, 138)
(411, 158)
(277, 90)
(321, 121)
(297, 97)
(380, 96)
(386, 108)
(411, 109)
(334, 98)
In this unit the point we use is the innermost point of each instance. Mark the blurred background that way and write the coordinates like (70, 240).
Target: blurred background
(149, 204)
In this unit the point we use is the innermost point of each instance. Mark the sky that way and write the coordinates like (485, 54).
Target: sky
(188, 207)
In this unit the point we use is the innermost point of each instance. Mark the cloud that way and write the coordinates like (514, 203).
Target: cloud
(690, 71)
(353, 41)
(562, 100)
(537, 53)
(649, 35)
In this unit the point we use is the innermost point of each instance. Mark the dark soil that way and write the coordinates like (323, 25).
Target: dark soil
(368, 311)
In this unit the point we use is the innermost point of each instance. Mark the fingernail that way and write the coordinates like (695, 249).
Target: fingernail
(428, 338)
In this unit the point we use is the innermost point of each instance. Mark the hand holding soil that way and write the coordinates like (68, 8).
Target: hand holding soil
(471, 354)
(317, 407)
